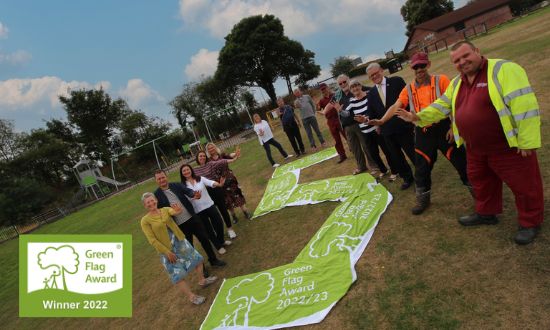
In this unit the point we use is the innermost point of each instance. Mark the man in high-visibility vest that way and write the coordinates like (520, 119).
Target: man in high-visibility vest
(422, 92)
(495, 113)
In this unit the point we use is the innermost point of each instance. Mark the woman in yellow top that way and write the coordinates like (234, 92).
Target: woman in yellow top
(176, 254)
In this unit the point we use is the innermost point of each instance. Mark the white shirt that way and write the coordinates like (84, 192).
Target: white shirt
(383, 85)
(205, 201)
(264, 126)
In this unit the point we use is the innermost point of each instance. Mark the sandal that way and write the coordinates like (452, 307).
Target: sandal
(209, 280)
(198, 300)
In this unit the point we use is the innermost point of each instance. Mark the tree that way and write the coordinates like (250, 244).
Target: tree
(10, 140)
(415, 12)
(256, 52)
(96, 117)
(341, 65)
(309, 70)
(188, 107)
(249, 100)
(137, 128)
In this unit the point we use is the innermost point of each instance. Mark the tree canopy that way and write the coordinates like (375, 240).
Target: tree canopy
(341, 65)
(415, 12)
(257, 52)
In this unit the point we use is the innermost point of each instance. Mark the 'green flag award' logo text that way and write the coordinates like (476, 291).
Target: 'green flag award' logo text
(75, 276)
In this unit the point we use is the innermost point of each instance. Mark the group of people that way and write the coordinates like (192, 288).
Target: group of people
(199, 205)
(485, 121)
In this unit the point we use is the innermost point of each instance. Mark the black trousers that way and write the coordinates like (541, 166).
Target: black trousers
(398, 143)
(218, 196)
(427, 142)
(212, 221)
(195, 227)
(373, 141)
(268, 149)
(293, 133)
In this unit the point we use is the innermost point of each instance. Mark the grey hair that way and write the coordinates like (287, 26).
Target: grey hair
(373, 65)
(280, 98)
(215, 146)
(147, 195)
(344, 76)
(355, 82)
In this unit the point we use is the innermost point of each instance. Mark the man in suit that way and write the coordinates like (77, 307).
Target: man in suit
(398, 135)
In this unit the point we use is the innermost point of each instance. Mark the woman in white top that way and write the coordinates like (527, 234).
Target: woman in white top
(204, 206)
(261, 127)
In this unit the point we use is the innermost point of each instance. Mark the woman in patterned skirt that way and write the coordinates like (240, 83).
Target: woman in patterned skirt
(232, 191)
(177, 256)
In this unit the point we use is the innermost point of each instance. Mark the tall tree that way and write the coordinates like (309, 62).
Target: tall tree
(188, 108)
(341, 65)
(137, 128)
(255, 54)
(96, 117)
(415, 12)
(10, 141)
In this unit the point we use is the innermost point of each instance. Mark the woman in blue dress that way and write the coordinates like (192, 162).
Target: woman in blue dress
(177, 256)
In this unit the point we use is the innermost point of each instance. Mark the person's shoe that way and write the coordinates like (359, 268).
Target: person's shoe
(382, 174)
(392, 177)
(373, 172)
(222, 250)
(324, 144)
(235, 219)
(198, 300)
(217, 263)
(208, 280)
(357, 171)
(314, 148)
(227, 243)
(477, 219)
(422, 201)
(304, 152)
(231, 233)
(406, 185)
(247, 215)
(289, 156)
(526, 235)
(341, 160)
(276, 165)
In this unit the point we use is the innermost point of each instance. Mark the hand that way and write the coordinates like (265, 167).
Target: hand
(336, 106)
(237, 152)
(222, 182)
(406, 115)
(450, 136)
(197, 194)
(525, 152)
(375, 122)
(172, 257)
(361, 118)
(176, 207)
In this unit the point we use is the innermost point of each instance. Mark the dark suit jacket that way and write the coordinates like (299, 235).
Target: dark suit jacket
(394, 86)
(180, 191)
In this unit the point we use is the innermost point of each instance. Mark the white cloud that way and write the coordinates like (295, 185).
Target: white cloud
(203, 64)
(16, 58)
(137, 93)
(3, 31)
(35, 92)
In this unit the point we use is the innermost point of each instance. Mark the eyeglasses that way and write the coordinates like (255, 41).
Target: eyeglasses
(420, 66)
(355, 85)
(342, 83)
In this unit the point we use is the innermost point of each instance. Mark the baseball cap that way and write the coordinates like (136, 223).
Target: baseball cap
(419, 58)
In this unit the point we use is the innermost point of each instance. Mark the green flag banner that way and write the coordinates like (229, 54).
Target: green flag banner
(304, 291)
(305, 161)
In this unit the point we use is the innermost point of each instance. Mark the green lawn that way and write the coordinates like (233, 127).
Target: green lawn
(417, 272)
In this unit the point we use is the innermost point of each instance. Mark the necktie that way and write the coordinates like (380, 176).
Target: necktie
(381, 93)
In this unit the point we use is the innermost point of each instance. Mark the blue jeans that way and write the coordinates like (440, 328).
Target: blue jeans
(311, 123)
(268, 149)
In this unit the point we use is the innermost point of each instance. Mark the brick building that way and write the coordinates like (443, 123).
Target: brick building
(472, 19)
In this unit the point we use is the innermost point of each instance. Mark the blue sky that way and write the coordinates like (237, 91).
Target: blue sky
(144, 51)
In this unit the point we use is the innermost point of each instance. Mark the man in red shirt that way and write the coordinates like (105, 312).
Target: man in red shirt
(501, 145)
(333, 122)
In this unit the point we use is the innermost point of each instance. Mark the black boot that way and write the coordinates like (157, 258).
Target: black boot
(526, 235)
(422, 201)
(477, 219)
(235, 219)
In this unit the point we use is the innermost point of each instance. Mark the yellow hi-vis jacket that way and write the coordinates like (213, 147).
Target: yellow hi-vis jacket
(512, 97)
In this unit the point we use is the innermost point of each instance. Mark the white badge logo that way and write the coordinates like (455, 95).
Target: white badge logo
(76, 267)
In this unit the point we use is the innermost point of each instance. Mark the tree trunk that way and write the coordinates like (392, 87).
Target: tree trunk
(288, 84)
(270, 90)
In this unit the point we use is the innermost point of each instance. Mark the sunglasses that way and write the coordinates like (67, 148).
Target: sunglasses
(420, 66)
(342, 83)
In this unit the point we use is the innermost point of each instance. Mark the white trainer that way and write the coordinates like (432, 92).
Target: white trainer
(276, 165)
(289, 156)
(222, 251)
(231, 233)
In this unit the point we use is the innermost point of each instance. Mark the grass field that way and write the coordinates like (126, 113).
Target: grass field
(417, 272)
